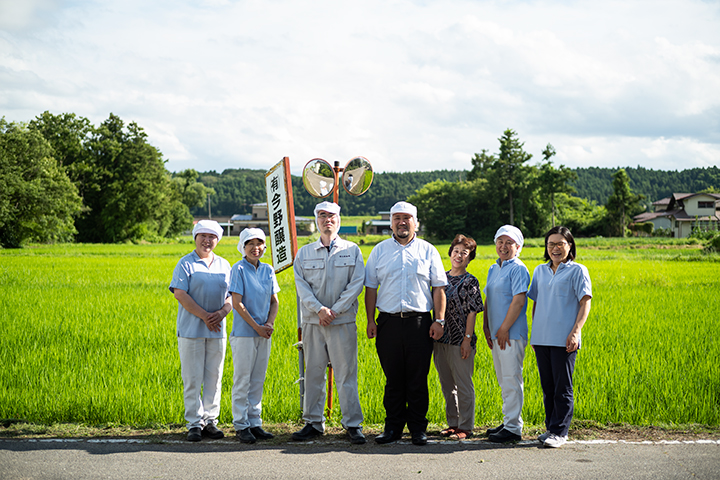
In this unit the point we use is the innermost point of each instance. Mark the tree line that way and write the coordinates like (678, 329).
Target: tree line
(64, 179)
(235, 190)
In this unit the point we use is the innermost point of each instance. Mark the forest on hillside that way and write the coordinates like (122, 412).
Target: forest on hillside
(64, 178)
(237, 189)
(595, 183)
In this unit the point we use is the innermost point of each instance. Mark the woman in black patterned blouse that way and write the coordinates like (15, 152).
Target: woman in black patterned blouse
(454, 352)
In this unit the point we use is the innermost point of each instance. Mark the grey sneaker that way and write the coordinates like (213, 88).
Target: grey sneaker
(543, 436)
(555, 441)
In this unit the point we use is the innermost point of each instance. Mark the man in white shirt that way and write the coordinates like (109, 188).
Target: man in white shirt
(411, 280)
(329, 276)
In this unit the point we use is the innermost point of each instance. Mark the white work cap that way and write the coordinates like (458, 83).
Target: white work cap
(404, 207)
(512, 232)
(208, 226)
(247, 235)
(329, 207)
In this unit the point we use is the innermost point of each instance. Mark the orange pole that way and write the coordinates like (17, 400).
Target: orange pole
(330, 376)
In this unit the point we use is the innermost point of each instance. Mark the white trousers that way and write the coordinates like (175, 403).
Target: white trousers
(201, 367)
(455, 375)
(250, 361)
(508, 370)
(336, 344)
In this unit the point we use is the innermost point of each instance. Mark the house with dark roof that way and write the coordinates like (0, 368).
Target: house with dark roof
(380, 227)
(683, 212)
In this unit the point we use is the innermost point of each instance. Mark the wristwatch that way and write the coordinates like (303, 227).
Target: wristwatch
(441, 321)
(467, 335)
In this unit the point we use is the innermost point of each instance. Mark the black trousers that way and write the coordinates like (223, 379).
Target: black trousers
(556, 368)
(405, 349)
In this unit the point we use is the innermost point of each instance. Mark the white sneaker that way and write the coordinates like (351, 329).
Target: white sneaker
(543, 436)
(555, 441)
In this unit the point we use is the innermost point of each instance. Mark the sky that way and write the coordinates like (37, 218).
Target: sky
(412, 85)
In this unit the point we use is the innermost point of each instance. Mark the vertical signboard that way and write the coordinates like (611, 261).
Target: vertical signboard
(281, 215)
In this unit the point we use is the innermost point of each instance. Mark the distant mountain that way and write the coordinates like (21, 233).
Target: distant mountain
(595, 183)
(237, 189)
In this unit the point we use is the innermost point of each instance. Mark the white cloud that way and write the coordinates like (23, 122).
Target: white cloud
(409, 85)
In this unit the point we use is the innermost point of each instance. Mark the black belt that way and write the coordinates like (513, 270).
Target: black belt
(406, 314)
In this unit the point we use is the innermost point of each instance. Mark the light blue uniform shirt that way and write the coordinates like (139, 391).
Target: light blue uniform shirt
(504, 281)
(404, 274)
(208, 286)
(557, 301)
(257, 286)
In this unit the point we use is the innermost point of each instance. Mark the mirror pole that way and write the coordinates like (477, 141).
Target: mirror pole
(336, 189)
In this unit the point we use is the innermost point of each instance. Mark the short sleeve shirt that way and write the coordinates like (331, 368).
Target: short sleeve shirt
(257, 286)
(207, 285)
(504, 281)
(463, 298)
(404, 275)
(557, 301)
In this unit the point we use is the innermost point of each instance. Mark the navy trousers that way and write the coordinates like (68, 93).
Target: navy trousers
(405, 349)
(556, 367)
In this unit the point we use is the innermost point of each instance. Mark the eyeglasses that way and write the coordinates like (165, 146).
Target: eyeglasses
(552, 245)
(461, 253)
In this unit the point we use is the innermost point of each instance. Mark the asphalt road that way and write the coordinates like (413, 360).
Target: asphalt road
(125, 459)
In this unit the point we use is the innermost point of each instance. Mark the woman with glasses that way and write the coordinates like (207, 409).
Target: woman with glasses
(561, 291)
(454, 352)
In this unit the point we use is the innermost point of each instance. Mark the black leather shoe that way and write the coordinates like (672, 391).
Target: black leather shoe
(388, 436)
(212, 431)
(356, 435)
(490, 431)
(246, 436)
(194, 434)
(504, 436)
(308, 432)
(419, 438)
(258, 432)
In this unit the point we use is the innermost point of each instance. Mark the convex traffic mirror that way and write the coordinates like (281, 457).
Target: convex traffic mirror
(319, 177)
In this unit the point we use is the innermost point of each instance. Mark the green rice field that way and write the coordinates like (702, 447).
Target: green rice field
(87, 335)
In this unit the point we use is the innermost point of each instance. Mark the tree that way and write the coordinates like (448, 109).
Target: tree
(125, 188)
(443, 207)
(585, 218)
(481, 163)
(38, 201)
(554, 180)
(193, 193)
(622, 204)
(507, 176)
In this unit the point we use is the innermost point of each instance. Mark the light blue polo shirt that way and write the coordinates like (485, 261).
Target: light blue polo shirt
(257, 286)
(404, 274)
(504, 281)
(557, 301)
(208, 286)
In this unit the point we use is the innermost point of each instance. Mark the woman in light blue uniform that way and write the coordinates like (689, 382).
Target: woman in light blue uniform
(254, 291)
(200, 285)
(506, 330)
(562, 291)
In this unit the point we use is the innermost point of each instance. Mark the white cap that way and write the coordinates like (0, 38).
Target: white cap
(247, 235)
(512, 232)
(404, 207)
(208, 226)
(327, 207)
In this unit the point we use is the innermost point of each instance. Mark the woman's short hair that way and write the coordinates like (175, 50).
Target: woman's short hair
(567, 235)
(466, 242)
